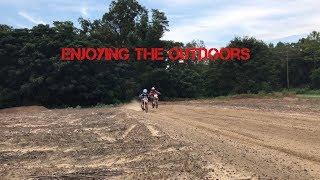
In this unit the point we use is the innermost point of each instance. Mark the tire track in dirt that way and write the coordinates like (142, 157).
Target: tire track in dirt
(265, 143)
(245, 126)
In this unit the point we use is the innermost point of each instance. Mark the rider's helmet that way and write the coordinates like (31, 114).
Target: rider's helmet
(153, 88)
(145, 91)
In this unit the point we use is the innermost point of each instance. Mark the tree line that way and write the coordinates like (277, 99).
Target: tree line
(31, 72)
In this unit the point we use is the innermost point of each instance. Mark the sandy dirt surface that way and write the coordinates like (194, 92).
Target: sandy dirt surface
(242, 138)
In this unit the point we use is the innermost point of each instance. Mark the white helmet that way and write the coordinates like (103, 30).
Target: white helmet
(153, 88)
(145, 91)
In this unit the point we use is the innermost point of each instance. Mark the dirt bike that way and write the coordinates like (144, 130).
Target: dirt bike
(155, 100)
(144, 104)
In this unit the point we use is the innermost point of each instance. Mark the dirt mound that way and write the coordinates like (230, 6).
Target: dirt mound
(23, 109)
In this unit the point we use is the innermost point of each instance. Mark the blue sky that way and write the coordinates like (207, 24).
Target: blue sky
(214, 21)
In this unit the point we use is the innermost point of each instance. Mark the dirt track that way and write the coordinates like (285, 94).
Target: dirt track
(249, 137)
(225, 139)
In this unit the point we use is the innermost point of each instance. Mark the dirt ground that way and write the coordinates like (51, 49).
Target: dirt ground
(239, 138)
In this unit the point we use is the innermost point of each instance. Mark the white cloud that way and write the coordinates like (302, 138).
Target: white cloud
(266, 20)
(30, 18)
(84, 11)
(84, 8)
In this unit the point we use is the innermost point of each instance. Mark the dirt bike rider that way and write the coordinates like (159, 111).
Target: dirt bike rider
(143, 95)
(152, 92)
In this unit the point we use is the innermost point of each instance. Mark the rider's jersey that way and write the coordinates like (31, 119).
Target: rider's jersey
(143, 95)
(152, 92)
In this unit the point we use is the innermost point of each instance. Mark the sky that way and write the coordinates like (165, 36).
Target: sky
(216, 22)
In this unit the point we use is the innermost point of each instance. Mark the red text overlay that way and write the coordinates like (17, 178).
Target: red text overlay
(155, 54)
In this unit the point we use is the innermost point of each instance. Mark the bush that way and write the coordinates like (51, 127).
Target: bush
(315, 78)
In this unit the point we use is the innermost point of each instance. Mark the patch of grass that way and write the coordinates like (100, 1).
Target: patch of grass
(224, 97)
(309, 95)
(305, 92)
(261, 94)
(313, 92)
